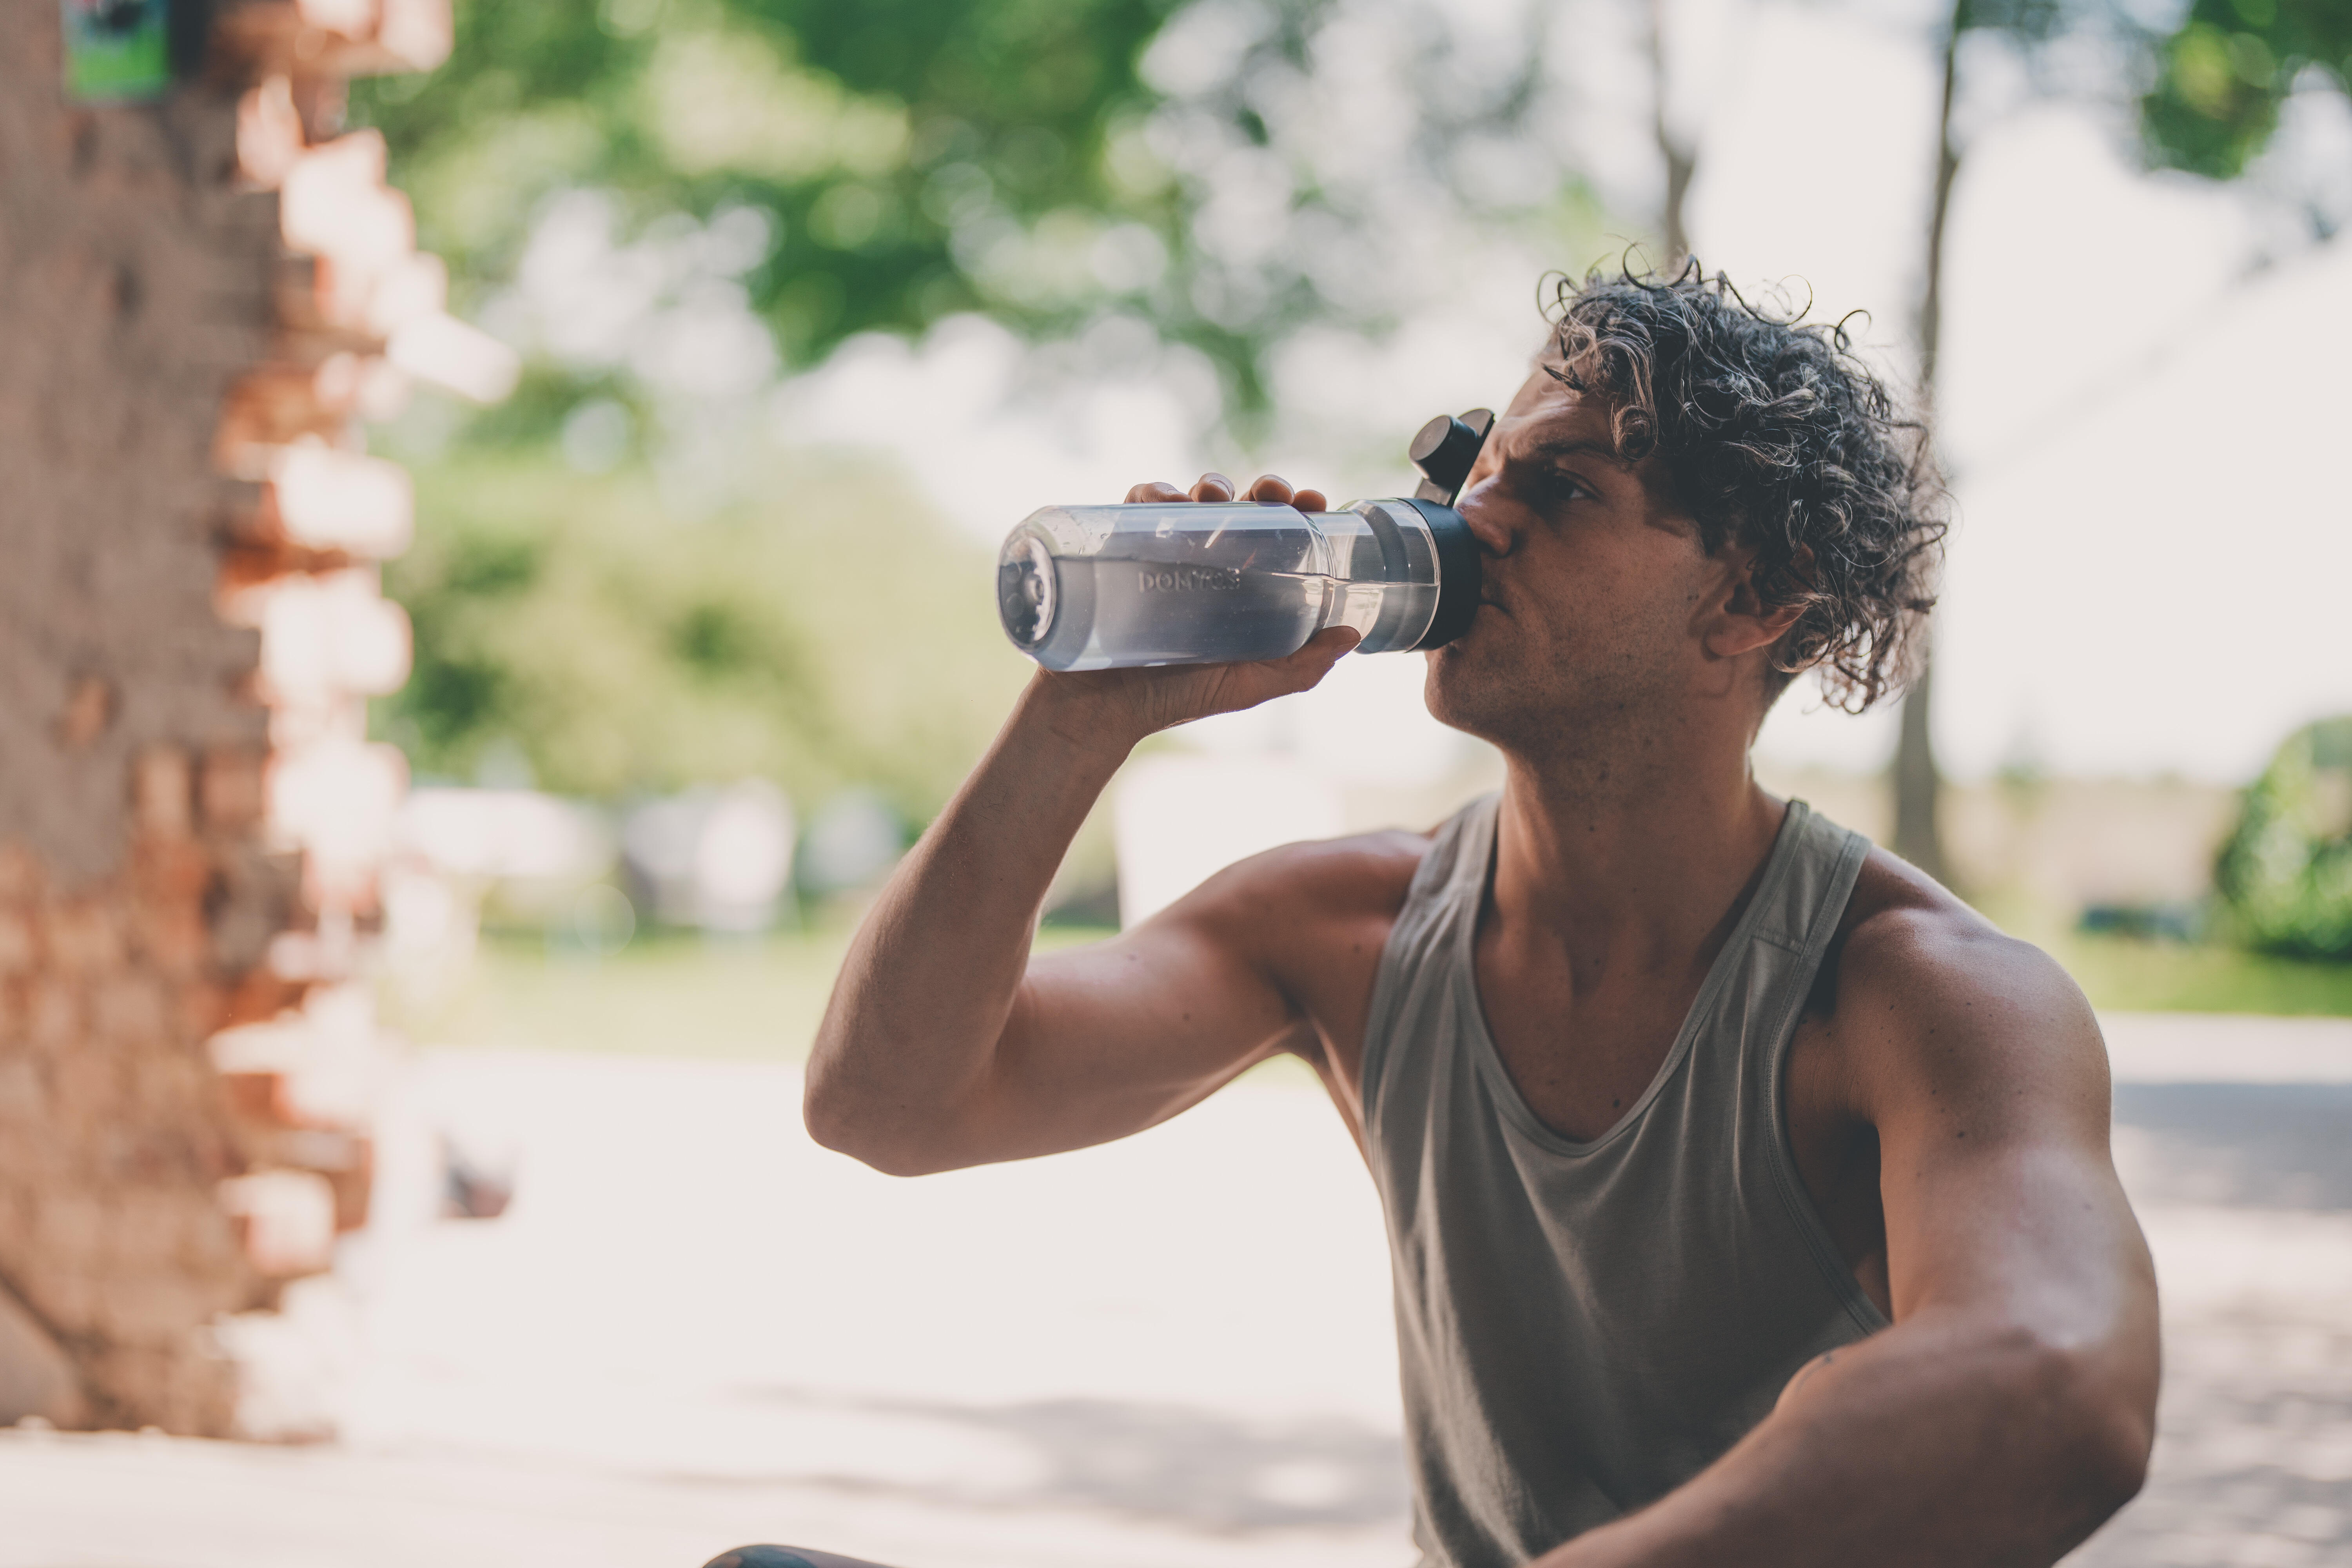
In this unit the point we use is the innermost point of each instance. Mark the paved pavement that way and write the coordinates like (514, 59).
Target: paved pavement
(694, 1328)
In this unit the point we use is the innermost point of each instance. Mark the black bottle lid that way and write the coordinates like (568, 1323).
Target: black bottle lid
(1445, 450)
(1461, 573)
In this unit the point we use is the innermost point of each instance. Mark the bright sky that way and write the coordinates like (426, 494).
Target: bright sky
(2153, 559)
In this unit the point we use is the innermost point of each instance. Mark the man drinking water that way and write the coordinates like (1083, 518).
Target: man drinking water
(1748, 1197)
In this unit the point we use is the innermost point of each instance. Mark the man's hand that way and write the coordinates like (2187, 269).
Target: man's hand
(1115, 708)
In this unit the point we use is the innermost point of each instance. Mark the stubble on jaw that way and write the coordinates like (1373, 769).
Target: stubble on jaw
(1588, 729)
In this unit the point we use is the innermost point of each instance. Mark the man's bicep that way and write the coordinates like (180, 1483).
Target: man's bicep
(1108, 1040)
(1993, 1104)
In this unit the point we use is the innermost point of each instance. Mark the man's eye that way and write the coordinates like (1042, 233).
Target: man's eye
(1560, 489)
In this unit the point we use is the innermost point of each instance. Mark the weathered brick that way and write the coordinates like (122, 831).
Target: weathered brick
(85, 1089)
(24, 1095)
(286, 1220)
(18, 949)
(129, 1009)
(82, 937)
(138, 895)
(20, 872)
(153, 1304)
(53, 1015)
(229, 792)
(162, 803)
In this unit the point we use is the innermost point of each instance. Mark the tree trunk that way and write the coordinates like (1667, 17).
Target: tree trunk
(1919, 787)
(1681, 160)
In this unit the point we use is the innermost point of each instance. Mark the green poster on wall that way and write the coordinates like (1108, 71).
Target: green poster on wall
(116, 48)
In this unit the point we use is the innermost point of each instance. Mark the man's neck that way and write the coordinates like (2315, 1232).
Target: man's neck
(1638, 860)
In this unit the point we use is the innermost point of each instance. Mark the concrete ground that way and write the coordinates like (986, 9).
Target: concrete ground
(694, 1328)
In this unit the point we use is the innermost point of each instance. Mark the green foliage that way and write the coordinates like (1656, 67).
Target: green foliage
(2224, 74)
(2130, 974)
(909, 159)
(2286, 873)
(894, 143)
(832, 635)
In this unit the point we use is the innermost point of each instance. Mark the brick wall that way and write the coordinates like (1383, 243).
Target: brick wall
(198, 298)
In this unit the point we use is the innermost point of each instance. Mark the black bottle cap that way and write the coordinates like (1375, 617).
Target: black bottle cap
(1459, 572)
(1445, 450)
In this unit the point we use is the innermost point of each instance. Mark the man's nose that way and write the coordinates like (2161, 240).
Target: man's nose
(1481, 508)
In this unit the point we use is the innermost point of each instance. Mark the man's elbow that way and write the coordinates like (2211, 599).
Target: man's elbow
(847, 1123)
(2097, 1412)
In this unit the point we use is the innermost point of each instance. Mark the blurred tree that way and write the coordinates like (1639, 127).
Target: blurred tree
(1678, 154)
(2285, 874)
(2221, 78)
(2225, 73)
(887, 163)
(1918, 782)
(666, 203)
(622, 650)
(889, 146)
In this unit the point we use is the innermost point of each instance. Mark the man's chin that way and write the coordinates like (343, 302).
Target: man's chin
(1458, 691)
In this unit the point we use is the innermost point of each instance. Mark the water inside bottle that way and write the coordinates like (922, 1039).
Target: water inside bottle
(1103, 587)
(1149, 612)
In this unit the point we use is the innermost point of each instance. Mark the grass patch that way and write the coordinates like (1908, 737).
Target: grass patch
(2132, 975)
(668, 994)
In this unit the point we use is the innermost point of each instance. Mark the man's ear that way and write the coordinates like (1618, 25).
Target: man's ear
(1740, 620)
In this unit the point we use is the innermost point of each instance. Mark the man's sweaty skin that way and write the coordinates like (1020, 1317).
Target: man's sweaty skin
(1948, 1095)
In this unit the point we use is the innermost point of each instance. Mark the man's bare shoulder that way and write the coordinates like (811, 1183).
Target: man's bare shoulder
(1922, 992)
(1316, 882)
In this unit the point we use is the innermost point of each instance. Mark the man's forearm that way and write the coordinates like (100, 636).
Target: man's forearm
(1938, 1443)
(934, 970)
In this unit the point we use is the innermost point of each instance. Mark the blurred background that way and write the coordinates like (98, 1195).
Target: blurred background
(618, 595)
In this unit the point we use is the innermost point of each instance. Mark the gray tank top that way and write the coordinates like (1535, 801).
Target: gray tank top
(1584, 1326)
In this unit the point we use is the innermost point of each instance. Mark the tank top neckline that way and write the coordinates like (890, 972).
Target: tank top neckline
(1471, 894)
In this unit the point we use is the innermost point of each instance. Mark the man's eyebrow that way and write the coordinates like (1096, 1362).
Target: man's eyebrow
(1575, 446)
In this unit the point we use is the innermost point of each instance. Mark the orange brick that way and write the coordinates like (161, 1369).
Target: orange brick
(172, 871)
(81, 937)
(20, 873)
(17, 947)
(154, 1307)
(145, 1226)
(24, 1093)
(85, 1090)
(90, 707)
(128, 1008)
(53, 1015)
(69, 1231)
(69, 1296)
(229, 792)
(162, 798)
(175, 941)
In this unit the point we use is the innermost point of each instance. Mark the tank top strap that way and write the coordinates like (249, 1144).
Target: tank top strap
(1787, 934)
(1414, 964)
(1804, 910)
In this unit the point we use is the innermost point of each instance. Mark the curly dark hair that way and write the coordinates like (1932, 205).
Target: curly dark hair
(1774, 434)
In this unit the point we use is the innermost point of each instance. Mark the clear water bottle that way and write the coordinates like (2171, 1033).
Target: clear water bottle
(1105, 587)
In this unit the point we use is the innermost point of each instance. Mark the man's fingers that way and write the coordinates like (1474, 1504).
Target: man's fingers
(1313, 662)
(1214, 487)
(1275, 488)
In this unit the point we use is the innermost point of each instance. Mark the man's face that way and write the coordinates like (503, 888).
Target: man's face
(1596, 587)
